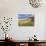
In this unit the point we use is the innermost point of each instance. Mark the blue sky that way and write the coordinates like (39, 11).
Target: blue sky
(24, 16)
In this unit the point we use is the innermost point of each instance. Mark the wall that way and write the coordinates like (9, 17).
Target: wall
(10, 8)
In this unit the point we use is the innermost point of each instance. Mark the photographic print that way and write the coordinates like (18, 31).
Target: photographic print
(25, 20)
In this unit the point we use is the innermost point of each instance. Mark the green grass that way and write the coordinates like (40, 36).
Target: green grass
(30, 23)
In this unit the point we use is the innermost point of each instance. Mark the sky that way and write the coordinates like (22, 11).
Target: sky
(24, 16)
